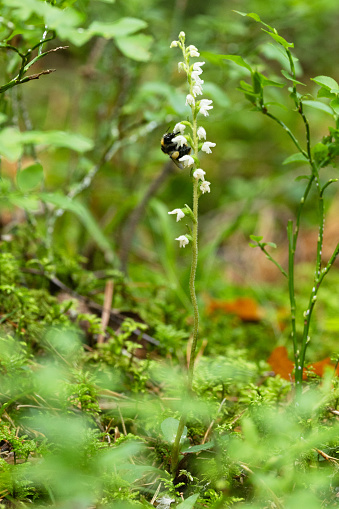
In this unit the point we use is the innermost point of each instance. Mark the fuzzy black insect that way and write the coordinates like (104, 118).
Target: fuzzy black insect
(170, 148)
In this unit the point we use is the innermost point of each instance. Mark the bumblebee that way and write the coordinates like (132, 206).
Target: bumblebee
(170, 148)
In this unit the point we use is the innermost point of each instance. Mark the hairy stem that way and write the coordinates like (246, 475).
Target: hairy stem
(192, 285)
(194, 264)
(176, 445)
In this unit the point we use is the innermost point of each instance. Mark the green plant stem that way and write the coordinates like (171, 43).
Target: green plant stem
(192, 287)
(316, 282)
(291, 252)
(25, 63)
(277, 264)
(182, 422)
(288, 131)
(299, 354)
(194, 264)
(176, 445)
(299, 211)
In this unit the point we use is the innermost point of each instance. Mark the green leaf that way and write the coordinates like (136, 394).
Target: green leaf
(295, 158)
(265, 82)
(250, 96)
(237, 60)
(256, 81)
(251, 15)
(59, 19)
(63, 202)
(302, 177)
(256, 238)
(23, 10)
(189, 502)
(280, 39)
(324, 92)
(335, 105)
(121, 28)
(169, 428)
(320, 152)
(271, 244)
(259, 81)
(327, 82)
(77, 36)
(135, 46)
(73, 141)
(30, 177)
(254, 16)
(198, 448)
(319, 106)
(213, 58)
(10, 143)
(56, 19)
(289, 77)
(245, 87)
(274, 103)
(24, 202)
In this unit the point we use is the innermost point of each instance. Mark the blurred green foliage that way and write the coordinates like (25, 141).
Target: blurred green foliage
(85, 190)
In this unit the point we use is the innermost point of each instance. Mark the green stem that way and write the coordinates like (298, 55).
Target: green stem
(25, 63)
(299, 211)
(176, 445)
(182, 422)
(277, 264)
(289, 132)
(192, 285)
(291, 252)
(194, 264)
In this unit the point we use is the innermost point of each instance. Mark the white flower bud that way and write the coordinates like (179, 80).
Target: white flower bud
(207, 147)
(197, 66)
(205, 187)
(179, 128)
(190, 100)
(196, 89)
(178, 212)
(201, 133)
(174, 44)
(181, 66)
(205, 104)
(187, 161)
(183, 240)
(199, 174)
(179, 140)
(196, 78)
(193, 51)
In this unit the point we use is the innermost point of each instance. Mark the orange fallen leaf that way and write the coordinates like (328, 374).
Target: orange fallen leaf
(283, 366)
(280, 363)
(319, 367)
(245, 308)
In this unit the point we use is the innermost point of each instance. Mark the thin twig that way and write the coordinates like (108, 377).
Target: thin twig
(37, 75)
(332, 460)
(155, 494)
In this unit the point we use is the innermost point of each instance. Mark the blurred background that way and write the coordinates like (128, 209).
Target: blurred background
(123, 95)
